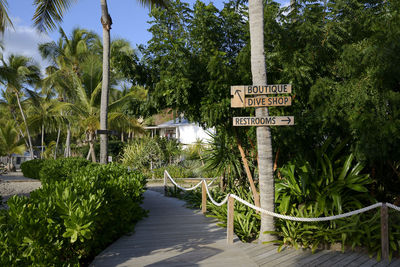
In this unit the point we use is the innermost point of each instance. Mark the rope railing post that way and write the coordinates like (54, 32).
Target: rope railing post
(203, 197)
(165, 183)
(384, 232)
(230, 220)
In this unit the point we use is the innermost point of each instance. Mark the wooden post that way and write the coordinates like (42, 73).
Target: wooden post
(165, 183)
(229, 224)
(203, 197)
(384, 232)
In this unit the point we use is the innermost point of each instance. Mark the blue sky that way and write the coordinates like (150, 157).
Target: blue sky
(129, 22)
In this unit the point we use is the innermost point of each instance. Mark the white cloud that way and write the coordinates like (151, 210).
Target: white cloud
(24, 40)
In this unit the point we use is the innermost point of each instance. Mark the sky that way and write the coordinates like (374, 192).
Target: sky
(129, 22)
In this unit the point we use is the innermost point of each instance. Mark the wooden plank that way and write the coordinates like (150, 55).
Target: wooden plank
(340, 257)
(395, 262)
(260, 250)
(204, 198)
(364, 258)
(384, 232)
(261, 101)
(321, 260)
(270, 89)
(238, 97)
(312, 257)
(382, 263)
(263, 121)
(354, 256)
(371, 262)
(289, 258)
(266, 261)
(231, 210)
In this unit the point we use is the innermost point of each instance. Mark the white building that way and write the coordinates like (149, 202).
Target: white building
(181, 129)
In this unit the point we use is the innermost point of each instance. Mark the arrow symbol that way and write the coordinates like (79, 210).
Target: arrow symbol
(238, 93)
(288, 120)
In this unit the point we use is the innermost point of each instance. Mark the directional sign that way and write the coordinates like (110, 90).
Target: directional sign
(106, 132)
(239, 101)
(263, 121)
(271, 89)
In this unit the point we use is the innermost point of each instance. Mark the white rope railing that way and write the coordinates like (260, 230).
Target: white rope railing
(184, 188)
(277, 215)
(230, 198)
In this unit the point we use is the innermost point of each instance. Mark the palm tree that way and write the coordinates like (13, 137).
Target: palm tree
(9, 102)
(4, 19)
(49, 12)
(46, 114)
(16, 73)
(264, 146)
(66, 56)
(10, 142)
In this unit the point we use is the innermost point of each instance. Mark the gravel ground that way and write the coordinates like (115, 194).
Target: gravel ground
(15, 184)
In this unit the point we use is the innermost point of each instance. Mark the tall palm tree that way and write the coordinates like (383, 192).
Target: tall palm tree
(66, 56)
(49, 12)
(264, 145)
(16, 73)
(46, 114)
(9, 102)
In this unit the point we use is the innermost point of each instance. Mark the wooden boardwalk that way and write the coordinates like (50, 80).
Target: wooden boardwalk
(173, 235)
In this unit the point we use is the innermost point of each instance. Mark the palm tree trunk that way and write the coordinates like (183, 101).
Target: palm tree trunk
(106, 22)
(58, 140)
(26, 126)
(264, 146)
(91, 147)
(41, 154)
(67, 151)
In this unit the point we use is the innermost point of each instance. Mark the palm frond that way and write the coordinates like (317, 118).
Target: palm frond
(5, 20)
(48, 13)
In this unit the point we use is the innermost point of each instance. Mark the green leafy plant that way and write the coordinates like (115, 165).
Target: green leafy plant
(70, 220)
(31, 168)
(61, 169)
(332, 185)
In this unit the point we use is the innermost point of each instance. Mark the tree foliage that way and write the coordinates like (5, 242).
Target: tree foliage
(341, 56)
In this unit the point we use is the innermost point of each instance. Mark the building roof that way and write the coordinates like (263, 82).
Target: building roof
(171, 124)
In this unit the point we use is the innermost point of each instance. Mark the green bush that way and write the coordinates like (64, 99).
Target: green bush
(68, 222)
(31, 168)
(141, 152)
(175, 171)
(329, 187)
(61, 169)
(246, 221)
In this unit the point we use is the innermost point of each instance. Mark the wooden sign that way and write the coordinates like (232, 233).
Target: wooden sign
(263, 121)
(106, 132)
(271, 89)
(239, 101)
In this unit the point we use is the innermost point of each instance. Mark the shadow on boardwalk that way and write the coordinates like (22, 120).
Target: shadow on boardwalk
(173, 235)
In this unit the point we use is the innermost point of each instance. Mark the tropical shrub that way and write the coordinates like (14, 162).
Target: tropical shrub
(176, 171)
(142, 154)
(31, 168)
(246, 220)
(61, 169)
(69, 221)
(331, 186)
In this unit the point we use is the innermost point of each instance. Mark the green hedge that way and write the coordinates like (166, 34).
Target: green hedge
(69, 221)
(61, 169)
(32, 168)
(175, 171)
